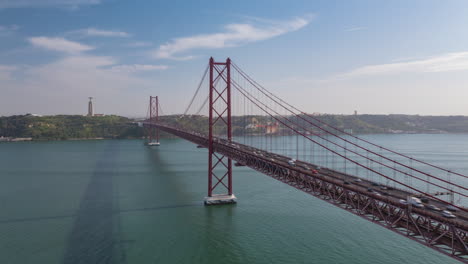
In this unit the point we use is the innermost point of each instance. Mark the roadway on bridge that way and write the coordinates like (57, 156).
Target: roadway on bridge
(379, 189)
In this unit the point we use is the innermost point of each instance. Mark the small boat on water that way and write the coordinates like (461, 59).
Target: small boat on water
(200, 146)
(238, 164)
(153, 144)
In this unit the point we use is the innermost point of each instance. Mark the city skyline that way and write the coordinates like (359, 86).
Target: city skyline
(332, 57)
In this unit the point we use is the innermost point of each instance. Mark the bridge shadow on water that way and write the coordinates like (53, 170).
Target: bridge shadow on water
(174, 185)
(115, 212)
(96, 235)
(213, 236)
(91, 239)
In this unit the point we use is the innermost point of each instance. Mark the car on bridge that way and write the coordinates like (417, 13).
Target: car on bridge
(433, 207)
(448, 214)
(451, 208)
(416, 202)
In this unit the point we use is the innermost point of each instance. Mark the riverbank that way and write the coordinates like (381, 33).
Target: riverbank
(74, 127)
(68, 127)
(11, 140)
(7, 139)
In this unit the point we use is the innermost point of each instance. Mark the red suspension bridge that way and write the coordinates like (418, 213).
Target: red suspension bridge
(247, 124)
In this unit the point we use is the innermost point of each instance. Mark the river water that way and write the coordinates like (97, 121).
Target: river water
(117, 201)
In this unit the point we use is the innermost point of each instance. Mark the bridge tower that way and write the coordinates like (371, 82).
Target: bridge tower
(219, 166)
(153, 132)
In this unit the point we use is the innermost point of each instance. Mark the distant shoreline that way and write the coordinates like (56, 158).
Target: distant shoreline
(74, 127)
(16, 140)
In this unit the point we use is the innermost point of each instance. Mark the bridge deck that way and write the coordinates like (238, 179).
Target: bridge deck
(449, 236)
(379, 189)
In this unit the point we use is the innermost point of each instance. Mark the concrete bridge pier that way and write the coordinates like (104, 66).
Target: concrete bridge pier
(218, 199)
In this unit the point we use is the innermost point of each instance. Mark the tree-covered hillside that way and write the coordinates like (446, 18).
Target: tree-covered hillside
(63, 127)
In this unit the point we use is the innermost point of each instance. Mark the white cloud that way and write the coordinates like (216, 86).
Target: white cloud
(46, 3)
(94, 32)
(138, 68)
(6, 72)
(7, 30)
(234, 35)
(59, 44)
(457, 61)
(63, 86)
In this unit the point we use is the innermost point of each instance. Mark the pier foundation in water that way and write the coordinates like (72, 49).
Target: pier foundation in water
(218, 199)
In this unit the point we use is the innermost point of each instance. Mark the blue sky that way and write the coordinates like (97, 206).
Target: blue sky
(384, 57)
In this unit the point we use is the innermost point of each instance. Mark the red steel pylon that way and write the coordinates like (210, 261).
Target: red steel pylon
(219, 166)
(153, 131)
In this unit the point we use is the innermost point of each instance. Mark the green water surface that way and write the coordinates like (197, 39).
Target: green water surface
(118, 201)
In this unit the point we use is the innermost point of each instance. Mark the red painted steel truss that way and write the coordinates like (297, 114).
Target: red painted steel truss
(447, 236)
